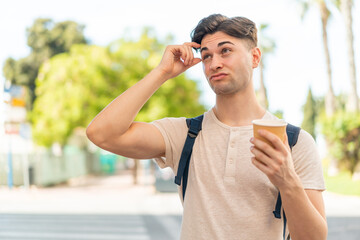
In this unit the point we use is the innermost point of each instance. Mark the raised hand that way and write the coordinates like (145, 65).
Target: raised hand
(177, 59)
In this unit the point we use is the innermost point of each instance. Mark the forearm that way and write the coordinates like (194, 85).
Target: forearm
(116, 118)
(304, 209)
(109, 129)
(304, 220)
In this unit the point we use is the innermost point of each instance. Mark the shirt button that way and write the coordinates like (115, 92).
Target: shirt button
(231, 161)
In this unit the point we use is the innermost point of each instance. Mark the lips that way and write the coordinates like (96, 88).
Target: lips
(217, 76)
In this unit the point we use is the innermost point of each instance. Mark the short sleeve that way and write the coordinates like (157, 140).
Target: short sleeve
(174, 132)
(307, 162)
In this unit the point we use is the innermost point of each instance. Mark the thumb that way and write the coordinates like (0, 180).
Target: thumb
(194, 62)
(286, 143)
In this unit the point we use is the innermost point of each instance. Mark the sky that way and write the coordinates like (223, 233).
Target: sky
(296, 64)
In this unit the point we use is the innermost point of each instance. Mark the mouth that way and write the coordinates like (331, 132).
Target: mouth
(217, 76)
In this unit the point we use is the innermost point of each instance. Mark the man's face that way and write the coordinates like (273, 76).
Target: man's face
(228, 62)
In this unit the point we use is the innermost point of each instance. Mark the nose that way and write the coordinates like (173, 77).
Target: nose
(216, 63)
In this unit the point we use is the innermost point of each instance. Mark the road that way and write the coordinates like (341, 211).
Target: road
(129, 227)
(88, 227)
(112, 208)
(344, 228)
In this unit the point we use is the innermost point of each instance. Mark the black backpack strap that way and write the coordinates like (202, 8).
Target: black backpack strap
(277, 214)
(292, 134)
(194, 125)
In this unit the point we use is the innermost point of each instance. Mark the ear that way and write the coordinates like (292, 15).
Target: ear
(256, 57)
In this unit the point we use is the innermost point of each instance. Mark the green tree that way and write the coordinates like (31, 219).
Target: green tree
(310, 114)
(342, 130)
(73, 87)
(45, 39)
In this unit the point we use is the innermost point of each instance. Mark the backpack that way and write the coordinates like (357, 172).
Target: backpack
(195, 125)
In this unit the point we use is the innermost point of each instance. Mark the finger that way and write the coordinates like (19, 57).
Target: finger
(190, 54)
(262, 167)
(275, 140)
(195, 61)
(262, 157)
(264, 147)
(183, 54)
(286, 142)
(175, 51)
(193, 44)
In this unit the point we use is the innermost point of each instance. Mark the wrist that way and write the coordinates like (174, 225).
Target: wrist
(160, 74)
(291, 185)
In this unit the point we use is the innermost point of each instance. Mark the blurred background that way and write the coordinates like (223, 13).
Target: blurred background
(63, 62)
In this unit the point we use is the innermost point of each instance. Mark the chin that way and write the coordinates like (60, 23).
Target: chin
(223, 92)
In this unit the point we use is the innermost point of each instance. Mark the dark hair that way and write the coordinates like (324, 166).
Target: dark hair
(239, 27)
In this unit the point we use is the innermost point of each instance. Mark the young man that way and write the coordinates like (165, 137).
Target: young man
(233, 179)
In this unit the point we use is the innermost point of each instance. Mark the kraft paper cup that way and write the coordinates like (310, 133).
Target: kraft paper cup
(277, 127)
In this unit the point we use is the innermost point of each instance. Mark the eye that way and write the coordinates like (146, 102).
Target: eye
(205, 56)
(225, 50)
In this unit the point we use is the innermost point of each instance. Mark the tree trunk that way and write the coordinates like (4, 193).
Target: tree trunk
(330, 96)
(353, 101)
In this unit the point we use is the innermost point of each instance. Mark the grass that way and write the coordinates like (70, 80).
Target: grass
(342, 184)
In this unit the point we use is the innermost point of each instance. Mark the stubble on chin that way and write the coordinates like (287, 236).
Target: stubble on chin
(225, 90)
(228, 89)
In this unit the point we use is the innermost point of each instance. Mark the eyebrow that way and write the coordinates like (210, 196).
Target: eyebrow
(219, 45)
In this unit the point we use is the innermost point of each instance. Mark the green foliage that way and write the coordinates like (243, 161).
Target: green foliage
(73, 87)
(310, 113)
(64, 93)
(342, 131)
(279, 114)
(342, 183)
(46, 39)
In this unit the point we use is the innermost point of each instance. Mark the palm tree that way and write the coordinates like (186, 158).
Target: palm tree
(345, 7)
(324, 14)
(330, 96)
(267, 46)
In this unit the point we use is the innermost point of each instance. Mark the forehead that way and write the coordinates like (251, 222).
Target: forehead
(212, 40)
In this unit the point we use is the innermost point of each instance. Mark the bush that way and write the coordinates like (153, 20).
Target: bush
(342, 131)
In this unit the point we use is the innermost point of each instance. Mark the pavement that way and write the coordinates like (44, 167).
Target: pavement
(337, 205)
(89, 227)
(94, 207)
(91, 208)
(117, 194)
(92, 194)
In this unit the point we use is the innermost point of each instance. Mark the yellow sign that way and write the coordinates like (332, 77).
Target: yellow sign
(17, 102)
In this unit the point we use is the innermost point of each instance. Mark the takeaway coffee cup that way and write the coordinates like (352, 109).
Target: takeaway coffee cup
(277, 127)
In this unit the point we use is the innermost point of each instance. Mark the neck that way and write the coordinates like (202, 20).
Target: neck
(238, 109)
